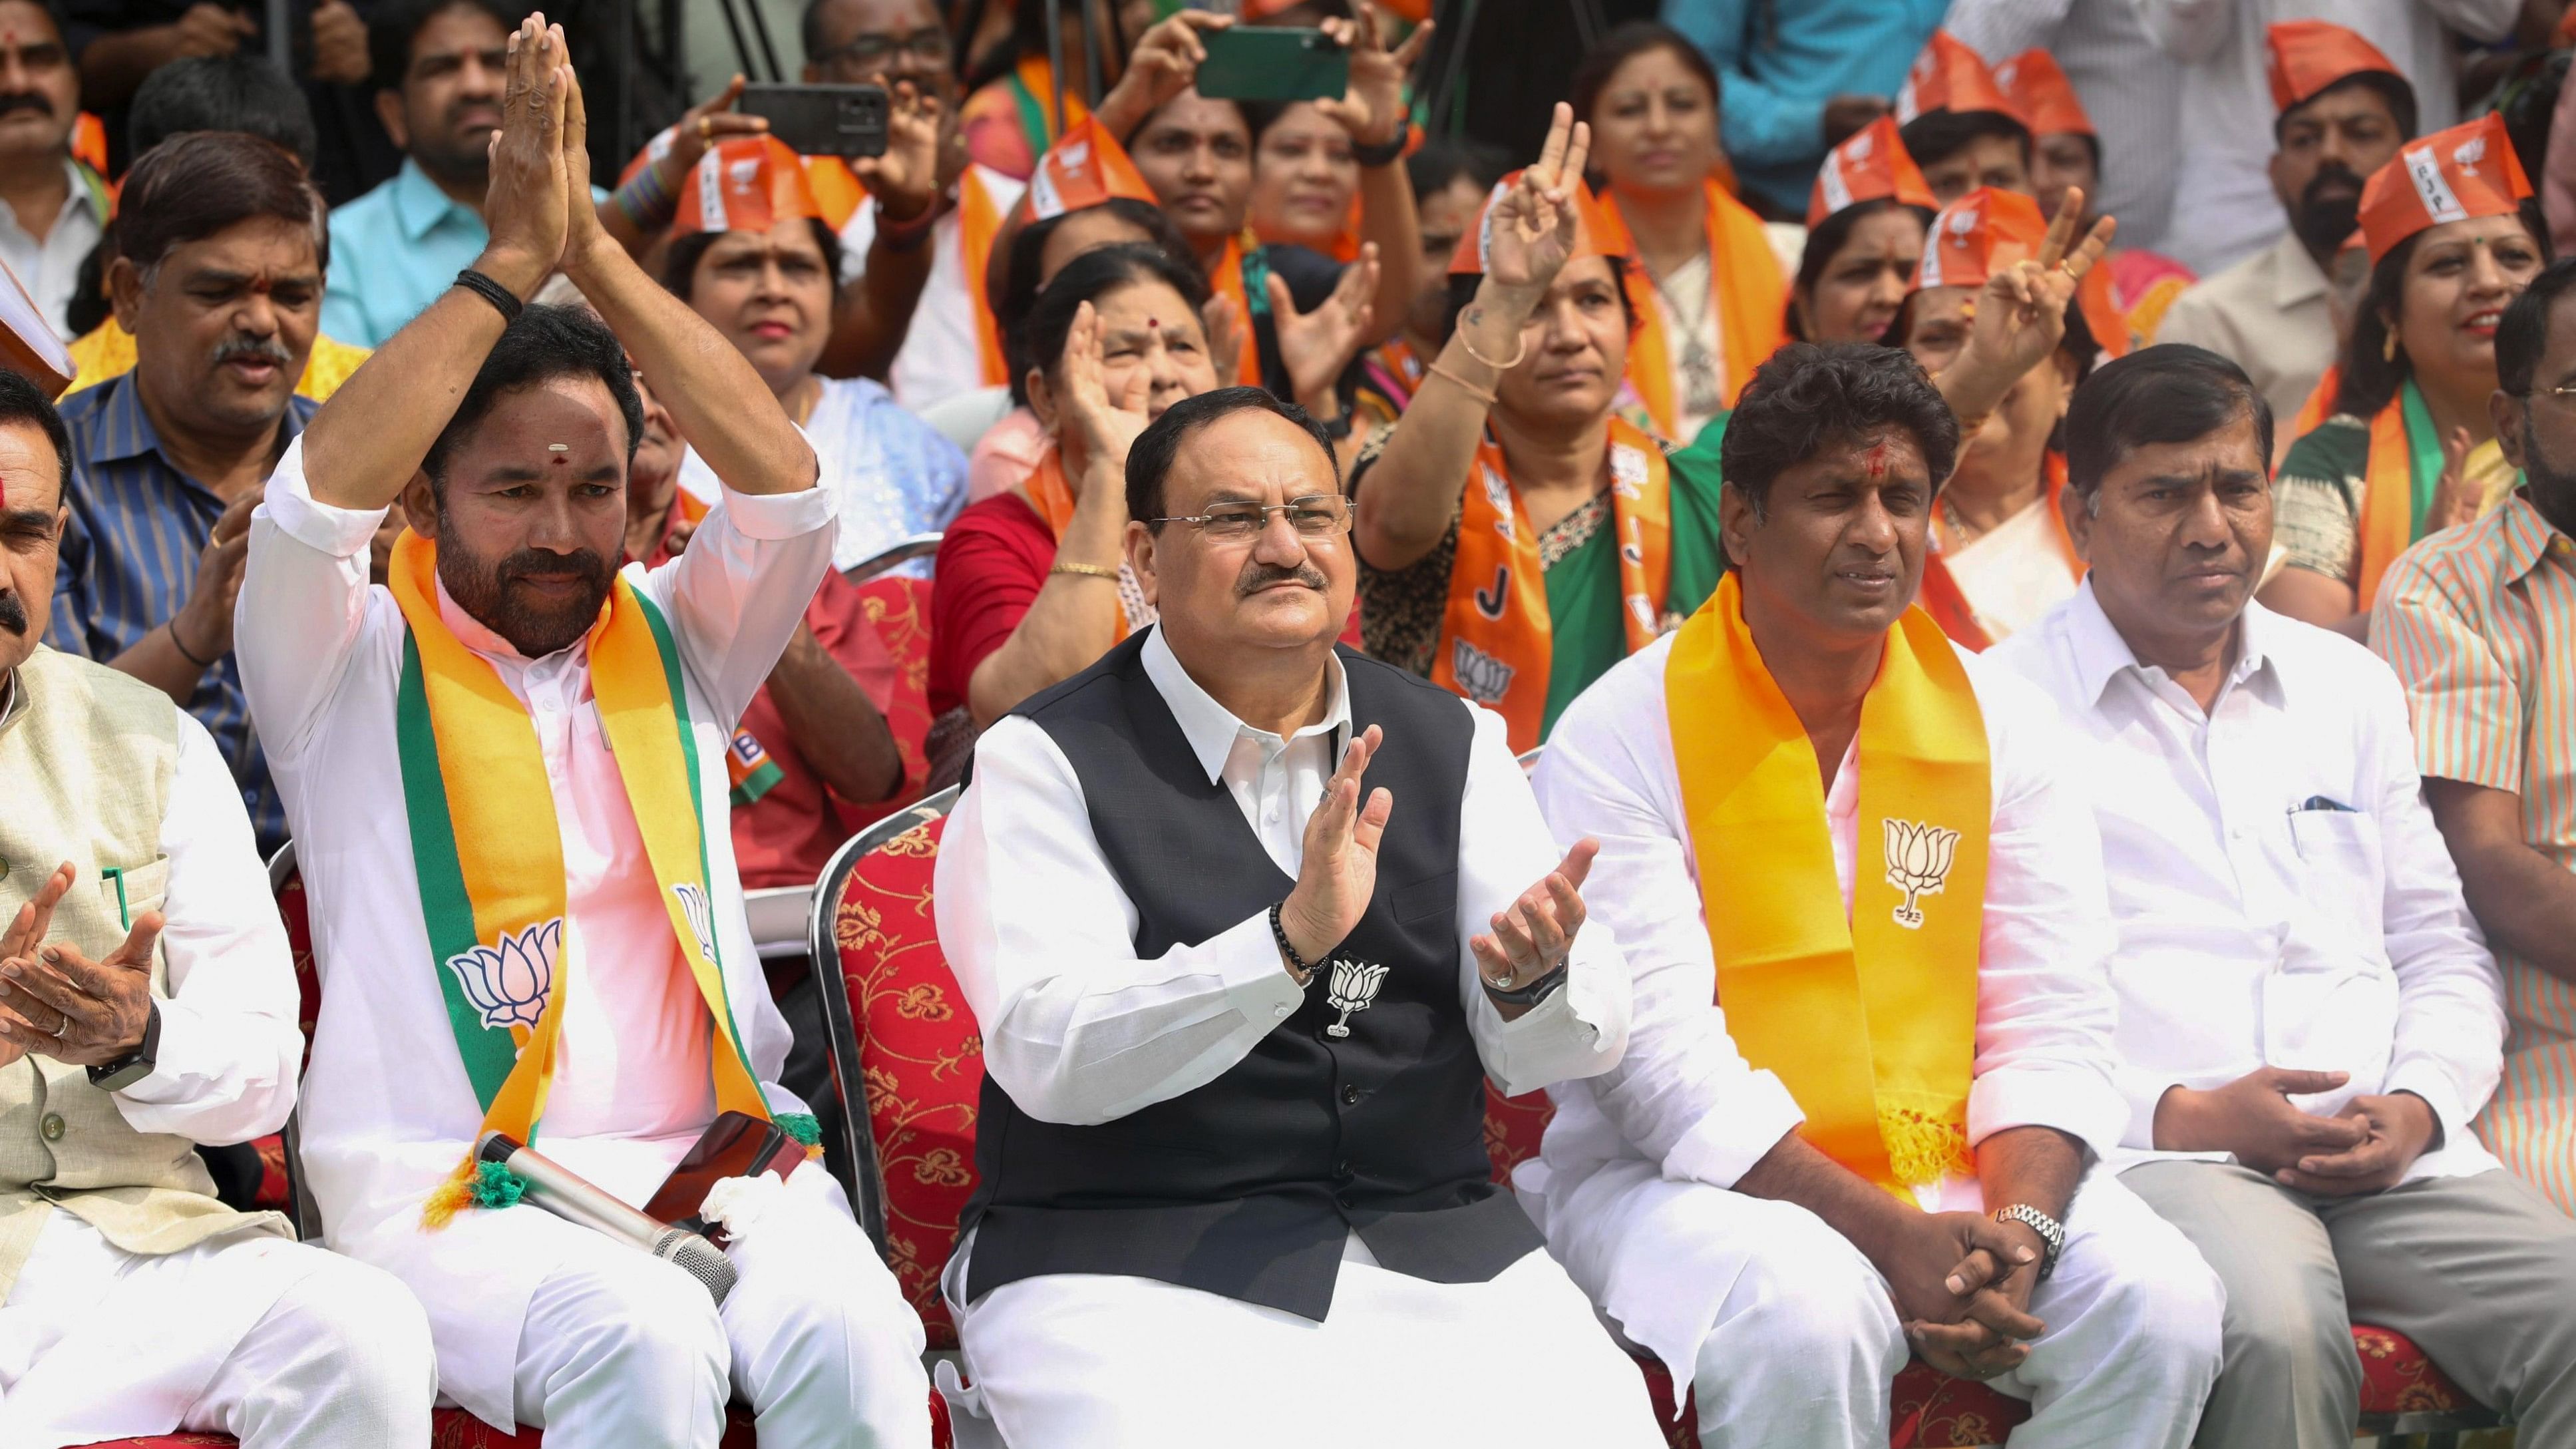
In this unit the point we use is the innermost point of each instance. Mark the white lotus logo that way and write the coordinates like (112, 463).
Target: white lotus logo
(1918, 862)
(1355, 987)
(509, 982)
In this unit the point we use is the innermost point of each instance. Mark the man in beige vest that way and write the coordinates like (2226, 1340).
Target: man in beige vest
(147, 1004)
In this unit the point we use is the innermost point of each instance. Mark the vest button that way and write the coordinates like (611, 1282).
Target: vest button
(53, 1127)
(1342, 1170)
(1350, 1095)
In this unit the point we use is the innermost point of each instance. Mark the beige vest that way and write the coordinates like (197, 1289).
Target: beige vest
(86, 759)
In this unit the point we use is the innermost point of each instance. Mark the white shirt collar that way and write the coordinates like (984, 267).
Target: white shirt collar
(2101, 654)
(1210, 727)
(11, 697)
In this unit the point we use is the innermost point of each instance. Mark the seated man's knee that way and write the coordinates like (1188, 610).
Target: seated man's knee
(1809, 1293)
(2173, 1305)
(378, 1330)
(652, 1318)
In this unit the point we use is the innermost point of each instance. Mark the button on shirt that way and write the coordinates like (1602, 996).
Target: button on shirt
(129, 562)
(1080, 1030)
(2282, 896)
(49, 267)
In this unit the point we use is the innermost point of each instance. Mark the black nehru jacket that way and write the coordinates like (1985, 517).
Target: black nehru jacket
(1247, 1186)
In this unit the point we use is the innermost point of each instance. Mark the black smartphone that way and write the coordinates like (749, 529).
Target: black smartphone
(1272, 63)
(822, 120)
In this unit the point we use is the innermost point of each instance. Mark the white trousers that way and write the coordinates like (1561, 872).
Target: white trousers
(272, 1342)
(1800, 1342)
(623, 1351)
(1095, 1361)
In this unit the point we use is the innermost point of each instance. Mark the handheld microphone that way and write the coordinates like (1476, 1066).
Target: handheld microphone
(568, 1195)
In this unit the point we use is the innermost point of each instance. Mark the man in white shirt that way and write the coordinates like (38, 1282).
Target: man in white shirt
(513, 757)
(2308, 1016)
(56, 208)
(1239, 1007)
(1874, 850)
(147, 1005)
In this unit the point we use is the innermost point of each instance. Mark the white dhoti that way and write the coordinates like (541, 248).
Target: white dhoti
(1789, 1336)
(1094, 1361)
(270, 1341)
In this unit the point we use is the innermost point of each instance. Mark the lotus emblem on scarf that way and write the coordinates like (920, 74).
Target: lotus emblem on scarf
(508, 983)
(1355, 986)
(1918, 861)
(701, 916)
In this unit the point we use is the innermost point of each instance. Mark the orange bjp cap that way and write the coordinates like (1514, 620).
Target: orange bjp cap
(1870, 165)
(1085, 167)
(1978, 235)
(1598, 231)
(2303, 57)
(2045, 97)
(2467, 171)
(1949, 76)
(745, 183)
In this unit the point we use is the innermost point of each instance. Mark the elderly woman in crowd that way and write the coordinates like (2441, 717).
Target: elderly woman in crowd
(2410, 447)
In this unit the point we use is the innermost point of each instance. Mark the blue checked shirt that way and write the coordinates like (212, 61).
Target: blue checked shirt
(129, 559)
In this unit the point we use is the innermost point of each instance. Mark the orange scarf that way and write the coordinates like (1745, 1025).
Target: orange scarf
(1228, 282)
(1496, 634)
(1947, 603)
(2387, 500)
(1052, 497)
(1745, 286)
(2318, 407)
(2102, 313)
(839, 192)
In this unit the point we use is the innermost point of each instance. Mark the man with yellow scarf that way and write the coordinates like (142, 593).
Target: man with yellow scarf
(505, 778)
(1867, 849)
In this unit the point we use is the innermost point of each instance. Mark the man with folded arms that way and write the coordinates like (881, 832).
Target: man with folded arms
(513, 757)
(2308, 1019)
(1882, 1130)
(1239, 1006)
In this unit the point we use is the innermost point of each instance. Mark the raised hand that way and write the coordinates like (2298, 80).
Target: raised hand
(2455, 498)
(1094, 428)
(1530, 233)
(1317, 345)
(1224, 323)
(85, 1013)
(585, 240)
(526, 205)
(1339, 873)
(204, 624)
(1533, 934)
(701, 128)
(1164, 64)
(1372, 108)
(905, 180)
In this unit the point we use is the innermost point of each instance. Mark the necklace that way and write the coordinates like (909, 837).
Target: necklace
(1700, 393)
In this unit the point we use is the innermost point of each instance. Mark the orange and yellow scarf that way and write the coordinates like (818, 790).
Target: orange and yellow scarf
(1746, 287)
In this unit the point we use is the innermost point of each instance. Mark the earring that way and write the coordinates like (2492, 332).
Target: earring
(2388, 348)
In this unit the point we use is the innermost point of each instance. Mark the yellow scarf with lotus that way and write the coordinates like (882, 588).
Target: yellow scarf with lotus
(1868, 1017)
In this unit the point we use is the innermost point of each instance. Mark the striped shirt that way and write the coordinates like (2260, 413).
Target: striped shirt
(129, 559)
(2480, 623)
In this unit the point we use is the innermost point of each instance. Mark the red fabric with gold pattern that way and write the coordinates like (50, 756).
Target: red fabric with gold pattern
(899, 610)
(1513, 1127)
(921, 1059)
(2396, 1377)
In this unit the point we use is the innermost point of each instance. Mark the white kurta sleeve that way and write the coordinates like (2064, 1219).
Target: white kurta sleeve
(1504, 849)
(1077, 1027)
(302, 606)
(225, 1071)
(737, 593)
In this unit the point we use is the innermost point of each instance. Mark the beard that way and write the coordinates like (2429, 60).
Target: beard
(2552, 484)
(499, 597)
(2324, 223)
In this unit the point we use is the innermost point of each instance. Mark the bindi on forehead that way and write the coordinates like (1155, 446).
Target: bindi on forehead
(1875, 460)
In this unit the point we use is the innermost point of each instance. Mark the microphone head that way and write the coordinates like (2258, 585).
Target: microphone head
(699, 1259)
(495, 1146)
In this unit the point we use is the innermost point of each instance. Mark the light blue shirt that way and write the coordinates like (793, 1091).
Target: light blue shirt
(393, 251)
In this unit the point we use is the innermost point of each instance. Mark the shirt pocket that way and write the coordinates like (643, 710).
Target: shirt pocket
(2341, 873)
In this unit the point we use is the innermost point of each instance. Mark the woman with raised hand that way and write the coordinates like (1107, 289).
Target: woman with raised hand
(2409, 447)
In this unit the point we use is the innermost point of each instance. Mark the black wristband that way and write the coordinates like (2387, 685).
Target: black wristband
(1279, 933)
(503, 300)
(184, 651)
(1539, 989)
(1386, 152)
(135, 1065)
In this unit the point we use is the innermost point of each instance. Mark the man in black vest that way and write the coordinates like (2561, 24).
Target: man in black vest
(1239, 1005)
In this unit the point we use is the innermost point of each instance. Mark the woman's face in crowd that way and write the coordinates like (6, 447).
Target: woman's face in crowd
(770, 294)
(1197, 155)
(1303, 178)
(1442, 217)
(2019, 426)
(1655, 126)
(1577, 344)
(1147, 328)
(1862, 286)
(2459, 280)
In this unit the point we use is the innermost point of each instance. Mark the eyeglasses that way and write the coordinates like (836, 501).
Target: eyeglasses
(1315, 517)
(869, 54)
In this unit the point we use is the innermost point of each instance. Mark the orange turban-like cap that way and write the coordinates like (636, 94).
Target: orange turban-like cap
(1978, 235)
(1085, 167)
(2303, 57)
(1870, 164)
(1948, 76)
(2467, 171)
(744, 183)
(2045, 97)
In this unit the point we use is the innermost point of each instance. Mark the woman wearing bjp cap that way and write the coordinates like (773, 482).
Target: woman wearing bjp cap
(2454, 236)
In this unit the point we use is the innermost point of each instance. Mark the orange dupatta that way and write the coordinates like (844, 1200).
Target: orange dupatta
(839, 192)
(1496, 637)
(1228, 282)
(1052, 497)
(1947, 603)
(1745, 285)
(2387, 522)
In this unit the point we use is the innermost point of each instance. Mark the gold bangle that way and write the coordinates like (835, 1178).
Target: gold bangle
(1518, 353)
(1082, 570)
(1483, 395)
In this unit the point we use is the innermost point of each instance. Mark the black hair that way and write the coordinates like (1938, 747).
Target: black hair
(2523, 335)
(1624, 43)
(2371, 373)
(392, 29)
(1150, 459)
(1443, 159)
(2393, 89)
(1018, 278)
(680, 262)
(220, 93)
(1936, 136)
(199, 183)
(1088, 278)
(541, 344)
(1462, 290)
(1829, 237)
(2171, 393)
(21, 401)
(1809, 394)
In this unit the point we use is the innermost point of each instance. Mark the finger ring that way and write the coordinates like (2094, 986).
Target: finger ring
(2068, 267)
(706, 128)
(62, 1027)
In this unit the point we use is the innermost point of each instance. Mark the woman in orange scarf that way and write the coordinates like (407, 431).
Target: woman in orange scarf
(2410, 448)
(1707, 288)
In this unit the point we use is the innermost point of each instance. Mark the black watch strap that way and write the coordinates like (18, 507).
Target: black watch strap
(135, 1065)
(1386, 152)
(1537, 989)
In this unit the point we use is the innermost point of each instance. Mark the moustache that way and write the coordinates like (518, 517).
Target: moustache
(2333, 172)
(586, 566)
(264, 349)
(13, 615)
(1261, 576)
(35, 101)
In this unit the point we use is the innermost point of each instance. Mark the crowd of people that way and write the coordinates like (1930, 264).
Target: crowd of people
(1403, 618)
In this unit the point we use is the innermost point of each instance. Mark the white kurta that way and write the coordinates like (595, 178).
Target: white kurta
(389, 1111)
(941, 355)
(2014, 572)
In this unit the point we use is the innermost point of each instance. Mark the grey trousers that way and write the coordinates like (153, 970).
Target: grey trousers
(2479, 1271)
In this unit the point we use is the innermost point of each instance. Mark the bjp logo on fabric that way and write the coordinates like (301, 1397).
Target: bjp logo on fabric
(701, 917)
(508, 982)
(1918, 863)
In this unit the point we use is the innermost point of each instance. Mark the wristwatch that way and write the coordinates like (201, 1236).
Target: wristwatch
(1539, 988)
(1386, 152)
(2050, 1230)
(135, 1065)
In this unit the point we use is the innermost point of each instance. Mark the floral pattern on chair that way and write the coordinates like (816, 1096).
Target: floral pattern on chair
(898, 608)
(2396, 1377)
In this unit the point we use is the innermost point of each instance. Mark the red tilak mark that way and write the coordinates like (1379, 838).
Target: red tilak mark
(1875, 460)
